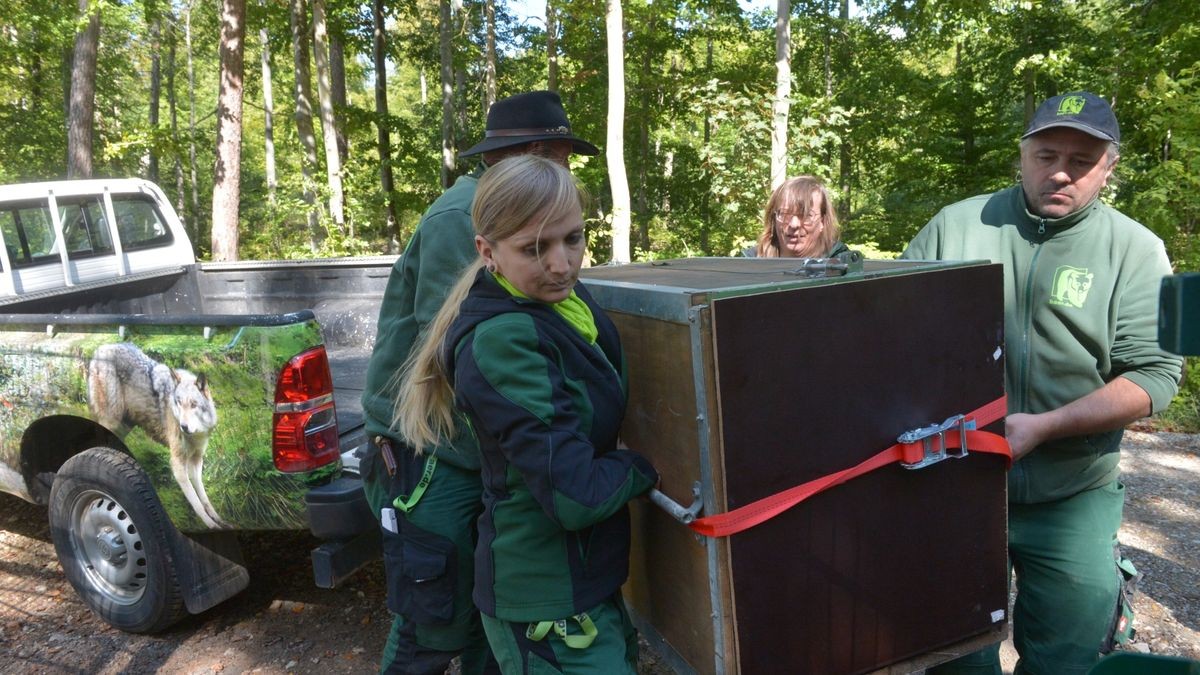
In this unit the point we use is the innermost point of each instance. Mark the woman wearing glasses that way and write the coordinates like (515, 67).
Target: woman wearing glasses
(799, 222)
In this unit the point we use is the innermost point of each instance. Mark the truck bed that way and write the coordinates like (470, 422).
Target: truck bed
(344, 294)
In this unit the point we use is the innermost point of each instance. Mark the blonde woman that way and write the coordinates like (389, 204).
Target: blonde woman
(534, 365)
(799, 222)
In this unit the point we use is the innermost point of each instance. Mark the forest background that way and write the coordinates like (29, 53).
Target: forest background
(901, 106)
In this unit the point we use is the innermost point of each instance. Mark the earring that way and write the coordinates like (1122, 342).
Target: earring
(491, 266)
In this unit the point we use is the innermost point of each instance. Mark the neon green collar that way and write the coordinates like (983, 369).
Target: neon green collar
(573, 310)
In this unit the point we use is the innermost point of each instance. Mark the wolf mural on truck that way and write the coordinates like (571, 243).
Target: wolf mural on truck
(194, 409)
(173, 406)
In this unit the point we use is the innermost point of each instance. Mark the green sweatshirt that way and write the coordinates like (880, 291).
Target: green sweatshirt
(442, 246)
(1081, 308)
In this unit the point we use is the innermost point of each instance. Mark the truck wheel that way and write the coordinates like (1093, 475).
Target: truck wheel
(113, 541)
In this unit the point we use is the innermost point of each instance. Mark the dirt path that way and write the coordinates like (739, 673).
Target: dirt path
(1161, 534)
(283, 624)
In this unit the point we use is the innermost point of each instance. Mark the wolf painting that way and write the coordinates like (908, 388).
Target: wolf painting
(127, 388)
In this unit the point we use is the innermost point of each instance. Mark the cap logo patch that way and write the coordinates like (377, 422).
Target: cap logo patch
(1070, 105)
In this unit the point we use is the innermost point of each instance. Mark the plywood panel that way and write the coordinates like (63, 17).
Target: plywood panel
(669, 570)
(892, 564)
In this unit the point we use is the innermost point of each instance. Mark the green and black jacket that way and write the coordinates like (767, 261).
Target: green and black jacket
(546, 407)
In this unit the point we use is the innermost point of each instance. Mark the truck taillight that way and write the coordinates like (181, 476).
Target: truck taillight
(306, 431)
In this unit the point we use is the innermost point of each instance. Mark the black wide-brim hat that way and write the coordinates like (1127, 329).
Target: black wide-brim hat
(525, 118)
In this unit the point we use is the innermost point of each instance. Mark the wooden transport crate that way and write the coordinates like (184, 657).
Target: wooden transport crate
(749, 378)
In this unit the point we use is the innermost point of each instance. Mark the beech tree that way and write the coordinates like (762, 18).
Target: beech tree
(783, 92)
(446, 56)
(227, 175)
(489, 58)
(268, 112)
(333, 162)
(615, 151)
(551, 46)
(155, 87)
(302, 95)
(83, 94)
(382, 125)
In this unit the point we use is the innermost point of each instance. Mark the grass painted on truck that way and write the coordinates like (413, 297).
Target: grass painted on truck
(224, 395)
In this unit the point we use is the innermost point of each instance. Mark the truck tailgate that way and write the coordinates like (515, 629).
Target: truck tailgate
(349, 368)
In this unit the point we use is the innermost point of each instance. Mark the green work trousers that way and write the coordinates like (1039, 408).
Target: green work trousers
(614, 651)
(443, 621)
(1067, 585)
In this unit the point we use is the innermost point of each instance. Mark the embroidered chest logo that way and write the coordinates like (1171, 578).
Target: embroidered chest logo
(1071, 286)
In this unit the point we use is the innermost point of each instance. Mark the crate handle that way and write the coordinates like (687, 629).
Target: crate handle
(684, 514)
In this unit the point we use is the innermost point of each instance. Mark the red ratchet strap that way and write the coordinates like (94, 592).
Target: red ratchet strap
(913, 454)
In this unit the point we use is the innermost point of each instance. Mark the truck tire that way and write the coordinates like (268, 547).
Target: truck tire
(113, 541)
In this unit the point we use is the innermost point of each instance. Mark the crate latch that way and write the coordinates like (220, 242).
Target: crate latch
(933, 442)
(847, 262)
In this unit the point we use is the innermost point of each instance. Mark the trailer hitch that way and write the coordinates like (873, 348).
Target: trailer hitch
(684, 514)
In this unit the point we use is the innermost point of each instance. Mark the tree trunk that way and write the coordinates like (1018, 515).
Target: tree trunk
(828, 56)
(489, 68)
(1030, 102)
(705, 211)
(268, 113)
(644, 157)
(227, 174)
(383, 127)
(333, 165)
(551, 46)
(615, 150)
(783, 92)
(155, 92)
(337, 73)
(191, 66)
(447, 78)
(173, 112)
(82, 105)
(302, 93)
(460, 105)
(846, 166)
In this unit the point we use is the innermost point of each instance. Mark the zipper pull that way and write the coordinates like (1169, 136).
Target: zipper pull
(1041, 227)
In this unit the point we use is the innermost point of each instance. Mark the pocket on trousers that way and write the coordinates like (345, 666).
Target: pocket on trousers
(421, 569)
(536, 665)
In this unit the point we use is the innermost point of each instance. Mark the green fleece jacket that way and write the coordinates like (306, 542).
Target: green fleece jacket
(1081, 308)
(442, 246)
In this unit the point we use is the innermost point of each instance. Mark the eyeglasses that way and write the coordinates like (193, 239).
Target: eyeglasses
(785, 217)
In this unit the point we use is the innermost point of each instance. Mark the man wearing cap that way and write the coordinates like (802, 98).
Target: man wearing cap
(1080, 295)
(428, 505)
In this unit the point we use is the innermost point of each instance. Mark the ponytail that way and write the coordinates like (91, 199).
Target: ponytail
(424, 410)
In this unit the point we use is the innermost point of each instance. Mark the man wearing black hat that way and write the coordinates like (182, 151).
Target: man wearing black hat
(1080, 293)
(428, 504)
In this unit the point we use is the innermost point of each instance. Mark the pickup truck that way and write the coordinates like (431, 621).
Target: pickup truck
(160, 406)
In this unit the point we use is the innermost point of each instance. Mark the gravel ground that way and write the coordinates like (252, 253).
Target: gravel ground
(1161, 534)
(283, 624)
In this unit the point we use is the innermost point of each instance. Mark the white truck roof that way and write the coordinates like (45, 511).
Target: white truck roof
(63, 234)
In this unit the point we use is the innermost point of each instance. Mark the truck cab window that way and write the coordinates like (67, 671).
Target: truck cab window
(12, 241)
(28, 234)
(139, 223)
(84, 227)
